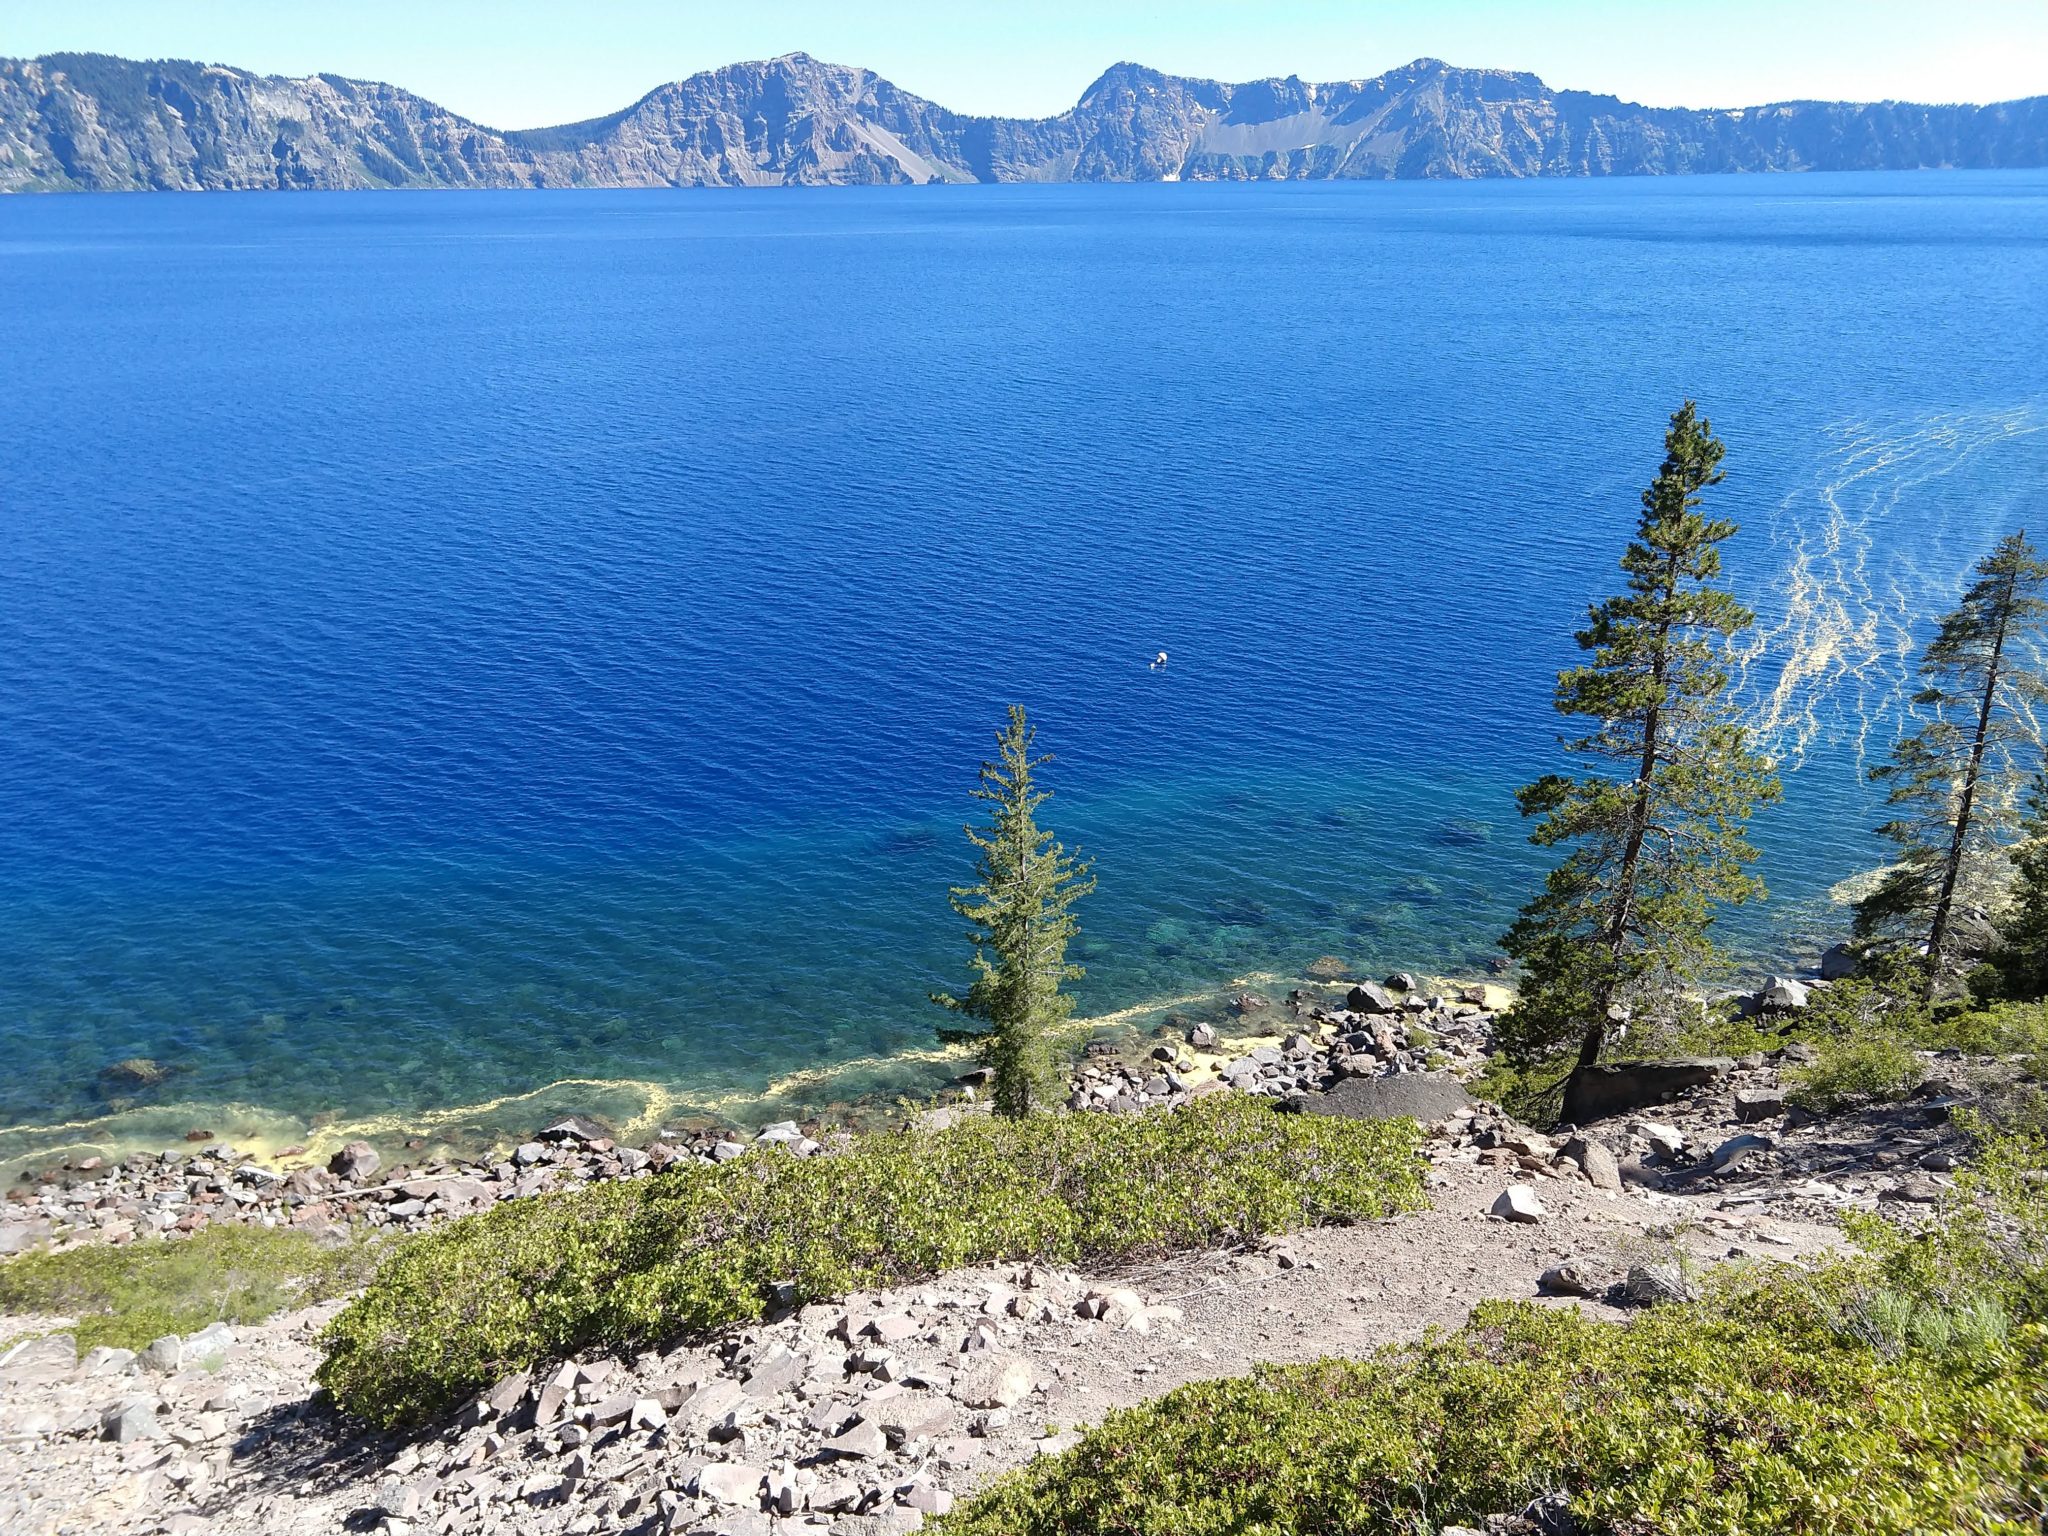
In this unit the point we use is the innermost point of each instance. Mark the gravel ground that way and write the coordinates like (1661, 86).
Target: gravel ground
(860, 1418)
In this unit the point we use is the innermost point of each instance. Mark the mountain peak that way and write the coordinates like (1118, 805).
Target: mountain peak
(1122, 75)
(799, 120)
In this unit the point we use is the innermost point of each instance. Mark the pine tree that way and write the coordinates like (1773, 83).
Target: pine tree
(2022, 959)
(1955, 782)
(1021, 909)
(1657, 840)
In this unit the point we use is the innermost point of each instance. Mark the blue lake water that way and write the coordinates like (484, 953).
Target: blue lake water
(453, 643)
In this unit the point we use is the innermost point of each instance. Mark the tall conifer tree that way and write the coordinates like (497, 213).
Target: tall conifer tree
(1955, 782)
(1021, 912)
(1656, 824)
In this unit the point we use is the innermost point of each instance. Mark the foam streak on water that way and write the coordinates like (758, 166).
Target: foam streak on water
(1869, 557)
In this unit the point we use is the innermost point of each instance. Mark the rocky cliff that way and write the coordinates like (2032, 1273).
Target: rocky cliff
(90, 122)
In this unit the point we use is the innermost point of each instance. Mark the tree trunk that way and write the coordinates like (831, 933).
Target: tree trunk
(1944, 904)
(1632, 847)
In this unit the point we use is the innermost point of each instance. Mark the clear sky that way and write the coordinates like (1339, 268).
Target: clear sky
(525, 63)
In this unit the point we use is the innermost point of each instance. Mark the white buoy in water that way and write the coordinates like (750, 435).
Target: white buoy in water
(1159, 661)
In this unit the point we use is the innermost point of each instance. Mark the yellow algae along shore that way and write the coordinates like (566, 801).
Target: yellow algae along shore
(861, 1090)
(855, 1091)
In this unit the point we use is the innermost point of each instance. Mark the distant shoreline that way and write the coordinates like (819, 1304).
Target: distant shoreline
(799, 121)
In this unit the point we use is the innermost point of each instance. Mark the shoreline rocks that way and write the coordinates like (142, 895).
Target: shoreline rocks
(176, 1193)
(867, 1415)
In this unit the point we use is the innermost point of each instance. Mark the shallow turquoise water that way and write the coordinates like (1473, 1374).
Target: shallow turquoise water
(453, 642)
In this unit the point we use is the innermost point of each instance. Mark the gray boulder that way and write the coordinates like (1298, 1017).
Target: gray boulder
(731, 1482)
(357, 1160)
(129, 1421)
(1736, 1150)
(106, 1362)
(862, 1440)
(1518, 1202)
(1782, 992)
(19, 1237)
(1424, 1096)
(1754, 1104)
(1665, 1140)
(1616, 1088)
(1001, 1381)
(1601, 1169)
(1370, 997)
(1650, 1285)
(53, 1357)
(1919, 1189)
(1567, 1280)
(1839, 963)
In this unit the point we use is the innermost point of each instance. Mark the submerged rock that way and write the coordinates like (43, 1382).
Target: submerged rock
(134, 1075)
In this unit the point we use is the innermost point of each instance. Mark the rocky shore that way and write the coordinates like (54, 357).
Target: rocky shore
(1328, 1034)
(869, 1415)
(858, 1418)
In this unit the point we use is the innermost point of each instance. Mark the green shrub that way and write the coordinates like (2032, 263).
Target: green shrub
(1988, 1029)
(127, 1296)
(627, 1264)
(1892, 1394)
(1683, 1421)
(1533, 1092)
(1872, 1069)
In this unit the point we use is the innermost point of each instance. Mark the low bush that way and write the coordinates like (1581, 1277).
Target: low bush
(1726, 1031)
(1531, 1091)
(1988, 1029)
(127, 1296)
(1891, 1395)
(1868, 1069)
(627, 1264)
(1683, 1421)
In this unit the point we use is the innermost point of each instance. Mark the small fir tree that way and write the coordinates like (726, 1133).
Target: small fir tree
(1955, 783)
(2022, 959)
(1657, 839)
(1021, 912)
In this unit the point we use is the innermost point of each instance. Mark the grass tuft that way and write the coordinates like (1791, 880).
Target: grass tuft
(127, 1296)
